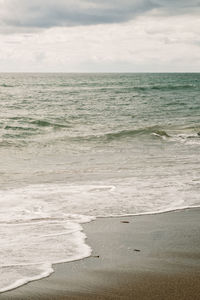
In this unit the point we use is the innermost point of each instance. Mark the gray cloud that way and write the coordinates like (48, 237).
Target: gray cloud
(27, 15)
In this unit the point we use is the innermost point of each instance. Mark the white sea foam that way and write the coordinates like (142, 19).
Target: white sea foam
(11, 277)
(187, 138)
(41, 224)
(29, 249)
(36, 232)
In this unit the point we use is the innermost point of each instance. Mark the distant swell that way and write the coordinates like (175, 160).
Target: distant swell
(6, 85)
(8, 127)
(165, 87)
(43, 123)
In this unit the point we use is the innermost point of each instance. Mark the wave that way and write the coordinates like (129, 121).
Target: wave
(188, 134)
(7, 85)
(165, 87)
(129, 133)
(44, 123)
(8, 127)
(14, 134)
(122, 134)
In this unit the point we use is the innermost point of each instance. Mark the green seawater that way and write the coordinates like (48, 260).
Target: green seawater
(103, 128)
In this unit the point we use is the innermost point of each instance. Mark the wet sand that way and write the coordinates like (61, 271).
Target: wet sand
(137, 257)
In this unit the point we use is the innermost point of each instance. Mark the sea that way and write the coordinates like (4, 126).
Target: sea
(75, 147)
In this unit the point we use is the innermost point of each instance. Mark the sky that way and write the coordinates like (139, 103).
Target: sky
(99, 35)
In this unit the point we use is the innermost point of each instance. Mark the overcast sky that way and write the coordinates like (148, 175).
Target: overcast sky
(99, 35)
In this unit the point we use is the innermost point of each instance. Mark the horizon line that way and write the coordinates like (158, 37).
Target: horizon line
(100, 72)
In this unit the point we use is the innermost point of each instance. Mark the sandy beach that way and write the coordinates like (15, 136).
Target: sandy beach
(136, 257)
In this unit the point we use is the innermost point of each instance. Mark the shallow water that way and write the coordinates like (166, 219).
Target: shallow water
(78, 146)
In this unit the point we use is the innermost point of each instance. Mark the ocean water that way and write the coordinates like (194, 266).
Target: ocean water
(78, 146)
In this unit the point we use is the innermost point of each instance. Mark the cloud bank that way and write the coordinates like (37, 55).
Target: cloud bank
(26, 15)
(99, 35)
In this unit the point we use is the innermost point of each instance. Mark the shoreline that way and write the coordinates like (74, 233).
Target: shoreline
(151, 256)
